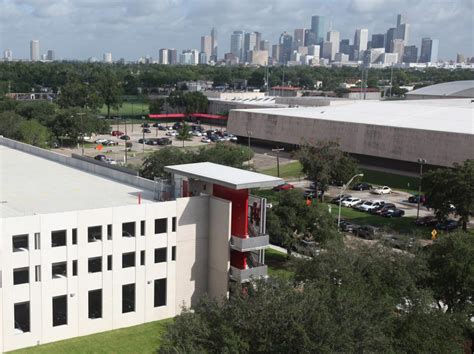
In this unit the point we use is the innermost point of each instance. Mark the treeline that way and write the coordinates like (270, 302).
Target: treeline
(135, 78)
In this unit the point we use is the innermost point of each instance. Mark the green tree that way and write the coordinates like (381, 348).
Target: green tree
(41, 111)
(324, 161)
(154, 164)
(33, 133)
(157, 105)
(73, 123)
(195, 102)
(445, 186)
(77, 94)
(10, 123)
(110, 90)
(225, 154)
(184, 133)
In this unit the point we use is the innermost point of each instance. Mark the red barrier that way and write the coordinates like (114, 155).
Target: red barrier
(182, 115)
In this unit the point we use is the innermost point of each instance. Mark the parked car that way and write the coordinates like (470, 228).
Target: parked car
(372, 204)
(110, 161)
(414, 199)
(350, 202)
(358, 206)
(146, 130)
(381, 190)
(100, 141)
(215, 138)
(142, 141)
(171, 133)
(164, 141)
(205, 139)
(117, 133)
(362, 187)
(393, 213)
(160, 127)
(196, 133)
(367, 232)
(448, 225)
(343, 197)
(125, 137)
(156, 125)
(283, 187)
(177, 126)
(346, 226)
(100, 157)
(110, 143)
(151, 142)
(312, 194)
(429, 220)
(145, 125)
(382, 208)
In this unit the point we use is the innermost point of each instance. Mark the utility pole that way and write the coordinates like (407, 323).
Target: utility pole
(249, 134)
(277, 150)
(143, 141)
(125, 140)
(421, 162)
(80, 114)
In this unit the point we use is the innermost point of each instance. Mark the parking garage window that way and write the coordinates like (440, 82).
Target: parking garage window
(21, 276)
(128, 298)
(95, 303)
(94, 233)
(20, 243)
(173, 224)
(160, 255)
(22, 317)
(37, 241)
(74, 268)
(160, 292)
(128, 260)
(60, 310)
(142, 228)
(128, 229)
(109, 232)
(173, 253)
(95, 265)
(58, 238)
(74, 236)
(109, 262)
(161, 226)
(59, 270)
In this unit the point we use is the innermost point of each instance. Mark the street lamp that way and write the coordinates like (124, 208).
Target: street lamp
(277, 150)
(343, 188)
(249, 134)
(421, 162)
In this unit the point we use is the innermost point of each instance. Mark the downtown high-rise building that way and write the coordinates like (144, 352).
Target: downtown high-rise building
(397, 46)
(236, 44)
(429, 50)
(50, 55)
(361, 37)
(286, 43)
(163, 56)
(172, 56)
(206, 48)
(265, 45)
(378, 41)
(344, 46)
(107, 57)
(214, 45)
(318, 27)
(34, 50)
(250, 43)
(299, 38)
(333, 37)
(410, 54)
(8, 55)
(389, 38)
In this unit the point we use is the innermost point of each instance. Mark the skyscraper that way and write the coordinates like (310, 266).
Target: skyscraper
(276, 52)
(460, 58)
(378, 41)
(258, 39)
(318, 28)
(265, 45)
(206, 47)
(309, 37)
(327, 50)
(299, 38)
(34, 50)
(361, 38)
(402, 32)
(344, 46)
(429, 50)
(8, 55)
(172, 56)
(389, 38)
(163, 56)
(333, 37)
(250, 43)
(107, 58)
(400, 20)
(236, 43)
(410, 54)
(286, 42)
(214, 45)
(50, 55)
(397, 46)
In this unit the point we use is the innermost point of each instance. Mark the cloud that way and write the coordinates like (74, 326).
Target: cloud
(132, 28)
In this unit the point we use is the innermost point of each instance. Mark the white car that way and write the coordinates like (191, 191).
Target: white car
(196, 133)
(171, 133)
(205, 139)
(101, 141)
(381, 190)
(110, 161)
(370, 204)
(350, 202)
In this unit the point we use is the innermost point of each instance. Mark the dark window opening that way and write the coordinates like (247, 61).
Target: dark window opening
(74, 236)
(128, 229)
(59, 310)
(128, 260)
(160, 255)
(173, 224)
(142, 258)
(20, 243)
(109, 232)
(161, 226)
(21, 276)
(142, 228)
(95, 265)
(59, 270)
(74, 267)
(22, 316)
(109, 262)
(58, 238)
(173, 253)
(95, 303)
(160, 292)
(128, 298)
(94, 233)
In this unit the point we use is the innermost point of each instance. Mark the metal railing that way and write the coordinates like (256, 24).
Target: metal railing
(259, 270)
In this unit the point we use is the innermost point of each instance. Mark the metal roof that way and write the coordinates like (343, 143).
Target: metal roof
(464, 88)
(230, 177)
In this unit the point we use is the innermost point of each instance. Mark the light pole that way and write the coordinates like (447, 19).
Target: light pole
(421, 162)
(277, 150)
(343, 188)
(249, 134)
(80, 114)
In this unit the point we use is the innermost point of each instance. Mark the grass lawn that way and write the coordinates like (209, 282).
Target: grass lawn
(394, 181)
(128, 109)
(289, 170)
(144, 338)
(278, 264)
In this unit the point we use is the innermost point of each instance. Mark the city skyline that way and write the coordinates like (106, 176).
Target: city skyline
(186, 26)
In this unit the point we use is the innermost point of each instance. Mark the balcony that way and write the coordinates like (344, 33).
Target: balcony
(257, 271)
(257, 242)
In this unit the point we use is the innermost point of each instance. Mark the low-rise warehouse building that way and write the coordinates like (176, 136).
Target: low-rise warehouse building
(386, 133)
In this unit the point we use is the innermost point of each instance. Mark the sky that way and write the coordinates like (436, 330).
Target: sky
(79, 29)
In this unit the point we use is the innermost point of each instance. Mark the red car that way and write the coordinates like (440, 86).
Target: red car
(117, 133)
(283, 187)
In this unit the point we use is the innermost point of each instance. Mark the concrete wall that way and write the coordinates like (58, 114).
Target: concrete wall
(219, 240)
(439, 148)
(230, 95)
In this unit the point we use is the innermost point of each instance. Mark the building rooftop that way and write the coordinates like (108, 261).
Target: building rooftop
(230, 177)
(33, 185)
(455, 115)
(464, 88)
